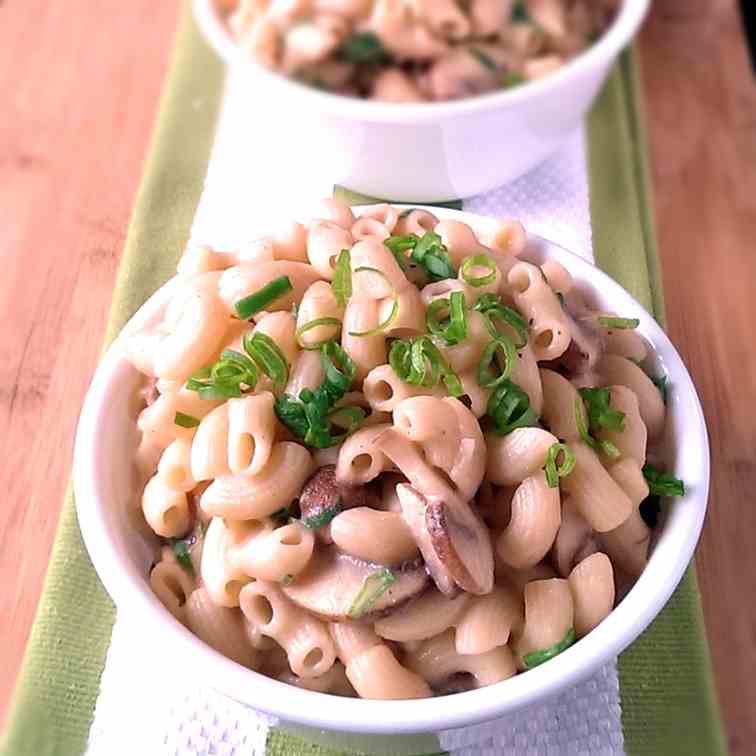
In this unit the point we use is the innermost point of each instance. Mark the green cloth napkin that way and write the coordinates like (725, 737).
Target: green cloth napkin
(668, 699)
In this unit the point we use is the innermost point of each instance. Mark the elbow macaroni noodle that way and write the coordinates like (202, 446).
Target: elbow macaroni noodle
(350, 518)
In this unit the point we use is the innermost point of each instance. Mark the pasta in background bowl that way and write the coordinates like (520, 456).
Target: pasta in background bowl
(362, 569)
(427, 151)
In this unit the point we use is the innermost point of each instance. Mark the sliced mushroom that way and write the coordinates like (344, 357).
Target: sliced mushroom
(453, 540)
(323, 497)
(413, 510)
(333, 580)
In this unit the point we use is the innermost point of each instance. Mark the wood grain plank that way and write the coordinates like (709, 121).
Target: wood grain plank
(701, 103)
(79, 84)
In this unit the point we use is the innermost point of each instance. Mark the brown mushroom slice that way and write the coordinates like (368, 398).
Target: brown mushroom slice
(452, 539)
(413, 510)
(333, 581)
(429, 615)
(461, 541)
(323, 497)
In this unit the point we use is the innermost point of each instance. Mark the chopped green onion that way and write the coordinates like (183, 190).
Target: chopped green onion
(539, 657)
(398, 245)
(519, 11)
(618, 323)
(225, 378)
(483, 58)
(605, 446)
(354, 415)
(662, 483)
(287, 579)
(433, 256)
(266, 353)
(291, 413)
(491, 307)
(453, 327)
(512, 79)
(486, 377)
(363, 48)
(339, 369)
(374, 586)
(420, 363)
(381, 327)
(181, 552)
(509, 408)
(323, 517)
(186, 421)
(247, 307)
(600, 414)
(341, 285)
(478, 261)
(317, 323)
(552, 469)
(661, 384)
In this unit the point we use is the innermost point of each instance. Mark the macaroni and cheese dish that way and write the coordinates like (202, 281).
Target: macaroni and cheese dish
(388, 458)
(416, 50)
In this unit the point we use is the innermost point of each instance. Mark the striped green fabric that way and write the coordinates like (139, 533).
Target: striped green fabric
(667, 694)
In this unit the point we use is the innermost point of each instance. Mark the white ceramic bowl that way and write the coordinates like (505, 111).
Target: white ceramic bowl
(105, 444)
(425, 152)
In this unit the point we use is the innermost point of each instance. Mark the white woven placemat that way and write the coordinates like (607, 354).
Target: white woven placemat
(149, 707)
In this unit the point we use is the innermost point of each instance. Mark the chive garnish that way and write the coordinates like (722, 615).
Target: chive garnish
(433, 256)
(509, 408)
(619, 324)
(333, 322)
(374, 586)
(452, 327)
(519, 11)
(662, 483)
(322, 518)
(490, 306)
(478, 261)
(398, 245)
(555, 471)
(183, 557)
(186, 421)
(661, 384)
(503, 344)
(605, 446)
(341, 285)
(420, 363)
(363, 48)
(381, 327)
(233, 375)
(266, 353)
(483, 58)
(539, 657)
(600, 414)
(259, 300)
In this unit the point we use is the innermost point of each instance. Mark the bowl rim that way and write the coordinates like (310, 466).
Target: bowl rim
(627, 621)
(614, 39)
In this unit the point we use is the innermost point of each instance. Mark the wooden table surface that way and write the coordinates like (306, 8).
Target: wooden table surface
(80, 84)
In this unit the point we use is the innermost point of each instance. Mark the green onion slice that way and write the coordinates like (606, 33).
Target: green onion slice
(186, 421)
(600, 414)
(509, 408)
(483, 58)
(401, 243)
(662, 385)
(555, 471)
(486, 377)
(447, 318)
(381, 327)
(478, 261)
(607, 447)
(183, 557)
(539, 657)
(618, 323)
(363, 48)
(247, 307)
(317, 323)
(323, 517)
(266, 353)
(339, 369)
(662, 483)
(491, 307)
(420, 363)
(433, 256)
(374, 586)
(341, 285)
(291, 413)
